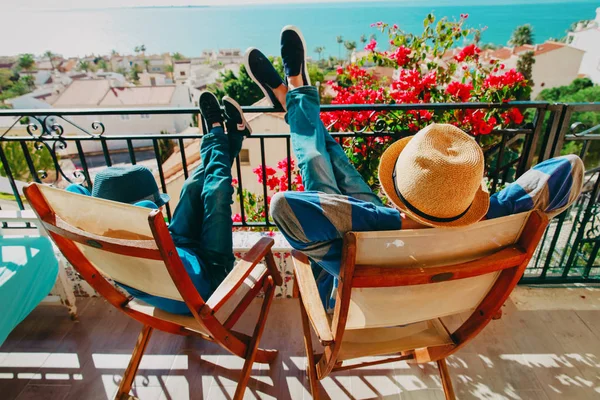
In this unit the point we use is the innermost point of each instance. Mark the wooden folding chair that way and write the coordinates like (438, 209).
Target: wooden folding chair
(396, 286)
(105, 239)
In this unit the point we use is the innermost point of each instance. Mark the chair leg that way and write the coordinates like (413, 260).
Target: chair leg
(253, 346)
(446, 381)
(310, 357)
(134, 363)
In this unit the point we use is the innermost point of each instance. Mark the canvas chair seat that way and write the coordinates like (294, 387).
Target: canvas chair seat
(189, 322)
(395, 286)
(107, 242)
(390, 340)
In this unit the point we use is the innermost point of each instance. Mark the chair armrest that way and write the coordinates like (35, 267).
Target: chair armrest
(311, 301)
(239, 273)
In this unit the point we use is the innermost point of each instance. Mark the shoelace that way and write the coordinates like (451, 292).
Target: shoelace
(213, 114)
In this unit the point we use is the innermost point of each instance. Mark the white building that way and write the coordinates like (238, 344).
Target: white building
(586, 37)
(100, 93)
(149, 79)
(556, 64)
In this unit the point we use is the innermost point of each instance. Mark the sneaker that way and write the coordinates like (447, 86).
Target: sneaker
(293, 53)
(263, 73)
(234, 117)
(210, 110)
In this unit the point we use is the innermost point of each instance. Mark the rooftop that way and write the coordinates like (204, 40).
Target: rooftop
(546, 346)
(98, 92)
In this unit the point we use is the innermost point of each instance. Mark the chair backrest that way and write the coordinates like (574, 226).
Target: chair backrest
(115, 238)
(396, 278)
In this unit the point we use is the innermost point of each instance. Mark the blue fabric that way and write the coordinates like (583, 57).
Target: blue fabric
(201, 224)
(28, 270)
(338, 200)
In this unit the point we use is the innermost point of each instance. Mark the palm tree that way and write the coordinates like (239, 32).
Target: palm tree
(363, 39)
(521, 35)
(102, 64)
(340, 40)
(147, 64)
(169, 69)
(50, 55)
(143, 48)
(477, 37)
(26, 62)
(84, 66)
(372, 37)
(319, 50)
(350, 46)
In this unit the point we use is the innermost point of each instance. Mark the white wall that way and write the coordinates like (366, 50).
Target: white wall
(555, 68)
(588, 40)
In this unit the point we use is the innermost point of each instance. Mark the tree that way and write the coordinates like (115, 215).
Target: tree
(525, 66)
(84, 66)
(177, 56)
(102, 64)
(477, 37)
(166, 147)
(340, 41)
(42, 160)
(147, 64)
(372, 36)
(350, 46)
(134, 74)
(363, 39)
(169, 70)
(50, 56)
(490, 46)
(140, 49)
(521, 35)
(242, 87)
(319, 50)
(26, 62)
(558, 94)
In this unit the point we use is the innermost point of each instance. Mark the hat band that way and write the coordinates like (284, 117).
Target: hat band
(150, 197)
(423, 214)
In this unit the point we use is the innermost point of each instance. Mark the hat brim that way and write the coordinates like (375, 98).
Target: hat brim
(164, 198)
(387, 164)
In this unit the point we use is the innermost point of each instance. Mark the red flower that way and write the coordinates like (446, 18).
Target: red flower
(258, 171)
(272, 182)
(467, 51)
(371, 46)
(512, 115)
(300, 188)
(461, 91)
(339, 70)
(282, 165)
(400, 55)
(236, 218)
(509, 78)
(234, 182)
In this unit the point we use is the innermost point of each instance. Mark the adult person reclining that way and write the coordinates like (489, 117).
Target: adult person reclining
(201, 226)
(434, 178)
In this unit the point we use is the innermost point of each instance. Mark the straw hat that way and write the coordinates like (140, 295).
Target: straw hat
(436, 177)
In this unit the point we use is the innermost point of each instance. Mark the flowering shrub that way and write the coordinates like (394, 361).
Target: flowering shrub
(429, 70)
(276, 181)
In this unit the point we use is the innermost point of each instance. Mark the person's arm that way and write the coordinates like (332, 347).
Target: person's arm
(551, 186)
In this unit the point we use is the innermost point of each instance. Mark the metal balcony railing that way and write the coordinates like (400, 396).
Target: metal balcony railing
(567, 254)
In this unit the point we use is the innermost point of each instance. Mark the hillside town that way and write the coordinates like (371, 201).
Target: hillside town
(145, 80)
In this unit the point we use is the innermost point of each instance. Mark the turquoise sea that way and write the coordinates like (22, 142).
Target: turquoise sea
(189, 30)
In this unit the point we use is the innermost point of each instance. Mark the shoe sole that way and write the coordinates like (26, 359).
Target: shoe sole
(237, 106)
(204, 124)
(249, 70)
(299, 33)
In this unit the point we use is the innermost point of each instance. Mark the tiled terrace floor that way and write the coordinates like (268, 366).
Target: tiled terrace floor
(546, 346)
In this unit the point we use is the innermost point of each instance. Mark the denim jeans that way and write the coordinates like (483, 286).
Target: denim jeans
(322, 161)
(202, 219)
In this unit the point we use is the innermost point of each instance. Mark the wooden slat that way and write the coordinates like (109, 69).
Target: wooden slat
(239, 273)
(311, 301)
(376, 276)
(134, 248)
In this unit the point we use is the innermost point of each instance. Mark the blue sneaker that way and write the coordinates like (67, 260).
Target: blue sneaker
(234, 117)
(263, 73)
(293, 53)
(210, 110)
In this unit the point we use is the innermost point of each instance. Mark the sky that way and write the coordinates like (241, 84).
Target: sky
(21, 5)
